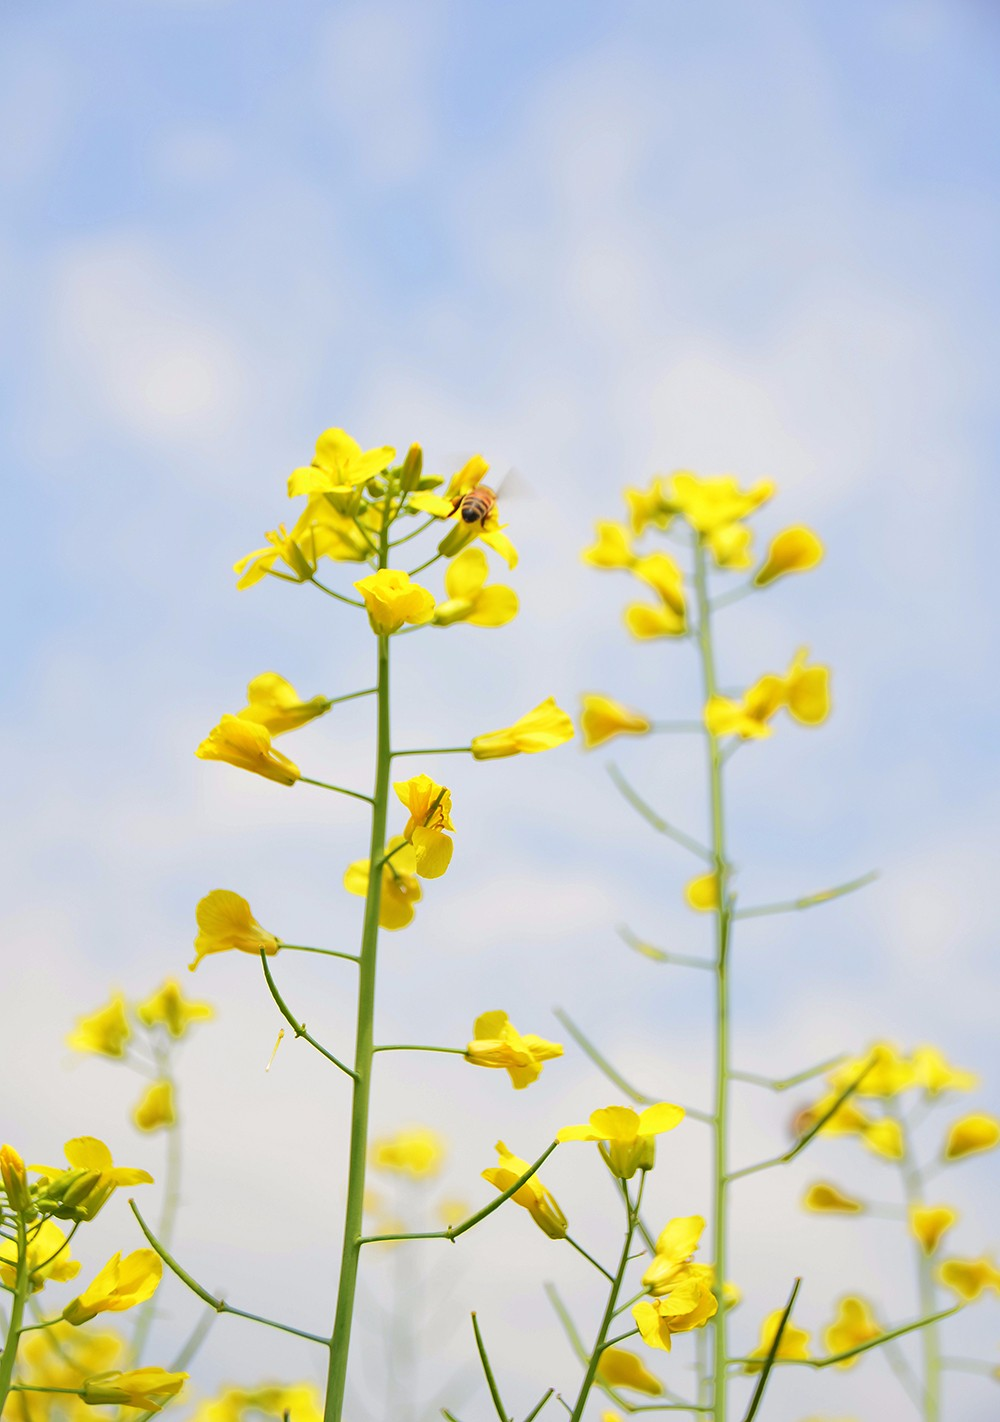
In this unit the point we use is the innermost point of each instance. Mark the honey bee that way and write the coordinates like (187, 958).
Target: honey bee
(477, 505)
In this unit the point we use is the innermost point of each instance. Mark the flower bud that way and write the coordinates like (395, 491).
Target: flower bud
(412, 469)
(15, 1182)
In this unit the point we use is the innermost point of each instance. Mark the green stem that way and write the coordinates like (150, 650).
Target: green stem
(352, 602)
(491, 1381)
(589, 1258)
(340, 1338)
(609, 1311)
(913, 1184)
(434, 750)
(723, 921)
(326, 952)
(808, 901)
(299, 1028)
(421, 566)
(406, 1047)
(340, 789)
(22, 1284)
(171, 1199)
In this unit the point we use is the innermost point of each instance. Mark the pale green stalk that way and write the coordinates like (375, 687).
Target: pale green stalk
(21, 1289)
(914, 1186)
(340, 1338)
(171, 1198)
(600, 1343)
(723, 920)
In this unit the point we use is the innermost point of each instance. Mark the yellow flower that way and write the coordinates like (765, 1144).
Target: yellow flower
(299, 1401)
(391, 600)
(542, 729)
(105, 1031)
(929, 1223)
(971, 1135)
(619, 1368)
(533, 1196)
(15, 1181)
(793, 1345)
(689, 1305)
(275, 704)
(469, 600)
(807, 691)
(709, 504)
(646, 506)
(168, 1007)
(613, 548)
(969, 1277)
(91, 1180)
(339, 465)
(429, 805)
(48, 1258)
(661, 573)
(827, 1198)
(847, 1120)
(401, 889)
(252, 567)
(497, 1043)
(854, 1324)
(121, 1284)
(60, 1356)
(603, 718)
(935, 1074)
(748, 718)
(702, 894)
(155, 1109)
(417, 1152)
(325, 531)
(148, 1388)
(225, 922)
(885, 1138)
(247, 746)
(674, 1248)
(888, 1075)
(646, 623)
(627, 1139)
(793, 550)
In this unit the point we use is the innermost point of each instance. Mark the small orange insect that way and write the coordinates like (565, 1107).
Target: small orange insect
(475, 506)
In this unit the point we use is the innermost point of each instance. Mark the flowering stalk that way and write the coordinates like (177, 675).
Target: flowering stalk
(340, 1338)
(723, 926)
(611, 1307)
(21, 1290)
(913, 1184)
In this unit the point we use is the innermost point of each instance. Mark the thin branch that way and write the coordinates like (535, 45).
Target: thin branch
(659, 955)
(299, 1028)
(658, 823)
(353, 695)
(407, 1047)
(772, 1353)
(824, 896)
(423, 527)
(433, 750)
(326, 952)
(219, 1305)
(454, 1231)
(340, 789)
(491, 1381)
(785, 1083)
(609, 1071)
(866, 1347)
(580, 1250)
(539, 1405)
(351, 601)
(803, 1141)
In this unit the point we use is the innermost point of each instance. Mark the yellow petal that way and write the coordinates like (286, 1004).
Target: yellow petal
(702, 894)
(646, 623)
(603, 718)
(794, 550)
(619, 1368)
(824, 1197)
(929, 1223)
(971, 1135)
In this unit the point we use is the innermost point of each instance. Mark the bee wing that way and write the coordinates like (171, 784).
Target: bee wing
(515, 486)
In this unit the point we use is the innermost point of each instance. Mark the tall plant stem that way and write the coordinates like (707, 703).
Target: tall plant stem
(723, 923)
(171, 1201)
(913, 1184)
(632, 1214)
(21, 1289)
(340, 1338)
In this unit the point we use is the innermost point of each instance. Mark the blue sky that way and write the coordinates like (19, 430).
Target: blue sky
(595, 242)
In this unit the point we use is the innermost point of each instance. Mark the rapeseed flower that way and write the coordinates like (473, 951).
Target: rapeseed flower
(855, 1324)
(619, 1368)
(169, 1008)
(91, 1178)
(970, 1135)
(247, 745)
(803, 691)
(688, 1305)
(400, 887)
(48, 1257)
(416, 1151)
(497, 1043)
(702, 894)
(60, 1357)
(339, 466)
(646, 623)
(929, 1223)
(13, 1173)
(429, 805)
(970, 1277)
(275, 704)
(674, 1249)
(155, 1109)
(298, 1401)
(469, 599)
(533, 1195)
(392, 600)
(794, 1345)
(603, 718)
(147, 1388)
(887, 1075)
(225, 922)
(793, 550)
(121, 1284)
(613, 548)
(541, 729)
(105, 1031)
(254, 566)
(933, 1071)
(826, 1198)
(627, 1139)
